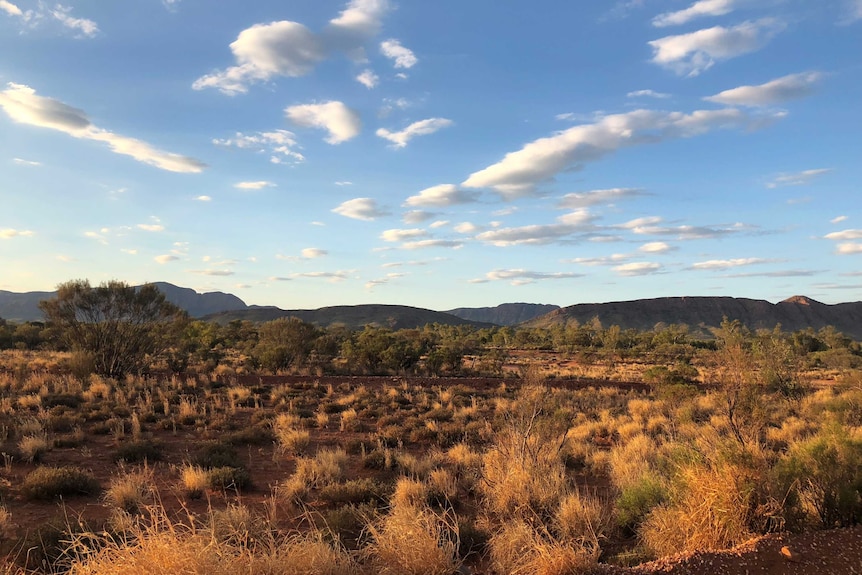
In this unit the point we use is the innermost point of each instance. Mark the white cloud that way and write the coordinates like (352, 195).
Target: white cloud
(29, 163)
(848, 248)
(166, 258)
(438, 224)
(650, 226)
(845, 235)
(401, 56)
(579, 221)
(417, 216)
(638, 269)
(699, 9)
(771, 93)
(523, 277)
(334, 277)
(10, 8)
(519, 172)
(343, 183)
(726, 264)
(593, 197)
(360, 209)
(396, 235)
(287, 48)
(368, 78)
(9, 233)
(600, 261)
(313, 253)
(203, 198)
(420, 128)
(279, 144)
(853, 11)
(441, 196)
(256, 185)
(647, 94)
(797, 179)
(837, 220)
(655, 248)
(341, 122)
(63, 14)
(22, 104)
(695, 52)
(422, 244)
(216, 273)
(466, 228)
(151, 227)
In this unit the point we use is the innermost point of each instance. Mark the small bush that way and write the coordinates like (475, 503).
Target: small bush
(138, 451)
(131, 489)
(217, 454)
(354, 491)
(33, 447)
(50, 482)
(194, 480)
(233, 478)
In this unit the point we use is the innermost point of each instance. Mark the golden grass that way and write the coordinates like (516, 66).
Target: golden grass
(520, 549)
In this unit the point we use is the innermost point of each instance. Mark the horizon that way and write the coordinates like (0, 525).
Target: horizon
(373, 152)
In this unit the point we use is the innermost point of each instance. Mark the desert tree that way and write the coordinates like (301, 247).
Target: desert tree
(118, 326)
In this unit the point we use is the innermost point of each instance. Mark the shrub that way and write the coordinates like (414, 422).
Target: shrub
(637, 499)
(194, 481)
(520, 549)
(32, 447)
(217, 454)
(236, 478)
(354, 491)
(138, 451)
(131, 489)
(50, 482)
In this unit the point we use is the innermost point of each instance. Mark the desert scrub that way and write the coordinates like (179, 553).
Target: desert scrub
(130, 489)
(50, 482)
(194, 480)
(138, 451)
(33, 447)
(413, 540)
(355, 491)
(518, 548)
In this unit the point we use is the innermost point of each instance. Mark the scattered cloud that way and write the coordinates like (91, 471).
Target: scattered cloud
(360, 209)
(333, 277)
(417, 216)
(9, 233)
(638, 269)
(610, 260)
(693, 53)
(845, 235)
(203, 198)
(699, 9)
(368, 78)
(579, 221)
(586, 199)
(797, 179)
(396, 235)
(420, 128)
(776, 274)
(313, 253)
(519, 172)
(837, 220)
(726, 264)
(165, 258)
(442, 195)
(656, 248)
(401, 57)
(10, 9)
(771, 93)
(23, 105)
(518, 277)
(371, 284)
(422, 244)
(647, 94)
(29, 163)
(85, 27)
(848, 248)
(217, 273)
(466, 228)
(649, 226)
(285, 48)
(151, 227)
(341, 122)
(279, 144)
(853, 12)
(255, 185)
(438, 224)
(343, 183)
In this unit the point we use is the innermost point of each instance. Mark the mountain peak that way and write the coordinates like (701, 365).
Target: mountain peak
(801, 300)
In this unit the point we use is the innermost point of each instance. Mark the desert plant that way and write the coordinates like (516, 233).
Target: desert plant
(194, 480)
(131, 489)
(52, 482)
(33, 447)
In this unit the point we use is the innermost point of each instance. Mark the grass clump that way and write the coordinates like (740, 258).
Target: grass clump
(138, 452)
(45, 483)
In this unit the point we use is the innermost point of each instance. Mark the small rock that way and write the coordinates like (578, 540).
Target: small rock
(791, 555)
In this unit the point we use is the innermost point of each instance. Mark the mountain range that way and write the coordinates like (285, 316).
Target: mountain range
(701, 314)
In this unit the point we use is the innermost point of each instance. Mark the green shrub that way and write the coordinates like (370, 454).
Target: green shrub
(50, 482)
(353, 491)
(217, 454)
(636, 501)
(236, 478)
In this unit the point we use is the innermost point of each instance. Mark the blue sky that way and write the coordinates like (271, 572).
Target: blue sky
(436, 154)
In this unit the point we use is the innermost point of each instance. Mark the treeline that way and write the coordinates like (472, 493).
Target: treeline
(290, 345)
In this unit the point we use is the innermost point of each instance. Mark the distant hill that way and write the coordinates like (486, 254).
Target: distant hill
(352, 316)
(504, 314)
(25, 306)
(704, 313)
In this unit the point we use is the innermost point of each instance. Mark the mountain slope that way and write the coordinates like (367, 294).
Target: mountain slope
(25, 306)
(504, 314)
(703, 313)
(352, 316)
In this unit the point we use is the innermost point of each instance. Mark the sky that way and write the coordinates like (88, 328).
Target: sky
(437, 154)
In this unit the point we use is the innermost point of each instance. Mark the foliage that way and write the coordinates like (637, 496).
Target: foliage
(117, 325)
(53, 482)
